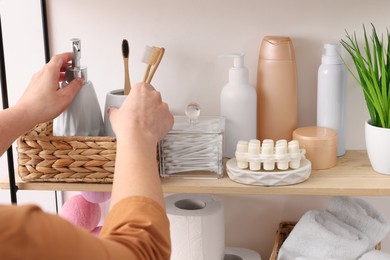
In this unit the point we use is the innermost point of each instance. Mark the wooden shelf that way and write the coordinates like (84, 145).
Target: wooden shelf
(352, 176)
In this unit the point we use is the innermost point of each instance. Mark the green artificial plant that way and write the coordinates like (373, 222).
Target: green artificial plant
(373, 73)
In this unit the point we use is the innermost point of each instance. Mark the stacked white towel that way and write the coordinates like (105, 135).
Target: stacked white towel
(375, 255)
(348, 229)
(362, 216)
(319, 234)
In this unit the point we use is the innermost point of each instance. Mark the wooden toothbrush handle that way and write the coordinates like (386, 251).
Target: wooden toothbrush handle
(154, 68)
(147, 72)
(127, 86)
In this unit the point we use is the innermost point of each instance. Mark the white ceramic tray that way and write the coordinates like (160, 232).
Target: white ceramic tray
(268, 178)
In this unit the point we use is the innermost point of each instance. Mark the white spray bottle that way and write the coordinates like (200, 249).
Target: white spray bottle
(83, 116)
(332, 76)
(238, 106)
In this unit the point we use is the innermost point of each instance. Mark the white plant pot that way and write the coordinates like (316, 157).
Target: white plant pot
(378, 147)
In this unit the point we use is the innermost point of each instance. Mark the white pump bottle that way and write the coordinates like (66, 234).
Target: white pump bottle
(83, 116)
(238, 106)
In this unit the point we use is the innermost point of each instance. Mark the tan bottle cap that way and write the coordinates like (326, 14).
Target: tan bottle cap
(277, 48)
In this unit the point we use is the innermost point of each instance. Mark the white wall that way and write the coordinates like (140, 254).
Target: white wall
(194, 33)
(24, 55)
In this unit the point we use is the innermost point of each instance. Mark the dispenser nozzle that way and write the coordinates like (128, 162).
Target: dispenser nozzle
(76, 54)
(75, 70)
(238, 59)
(238, 73)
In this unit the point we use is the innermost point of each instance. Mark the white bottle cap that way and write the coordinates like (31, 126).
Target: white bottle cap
(332, 54)
(238, 73)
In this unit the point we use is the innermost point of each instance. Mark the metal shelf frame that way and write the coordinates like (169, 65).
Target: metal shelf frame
(4, 93)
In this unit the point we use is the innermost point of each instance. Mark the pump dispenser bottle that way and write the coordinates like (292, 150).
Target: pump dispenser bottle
(238, 106)
(331, 88)
(83, 116)
(277, 89)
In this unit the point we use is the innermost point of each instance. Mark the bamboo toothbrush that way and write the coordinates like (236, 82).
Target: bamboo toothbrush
(148, 52)
(125, 54)
(152, 57)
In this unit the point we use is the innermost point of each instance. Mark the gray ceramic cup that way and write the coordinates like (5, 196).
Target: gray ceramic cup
(114, 98)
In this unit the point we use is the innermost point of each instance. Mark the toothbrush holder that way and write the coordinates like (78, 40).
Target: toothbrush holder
(114, 98)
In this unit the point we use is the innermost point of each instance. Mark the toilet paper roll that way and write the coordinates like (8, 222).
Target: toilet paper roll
(196, 226)
(238, 253)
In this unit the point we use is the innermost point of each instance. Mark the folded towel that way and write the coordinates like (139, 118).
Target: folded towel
(375, 255)
(320, 235)
(362, 216)
(313, 258)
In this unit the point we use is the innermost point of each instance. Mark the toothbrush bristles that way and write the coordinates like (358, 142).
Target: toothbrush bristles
(125, 48)
(154, 56)
(150, 55)
(147, 54)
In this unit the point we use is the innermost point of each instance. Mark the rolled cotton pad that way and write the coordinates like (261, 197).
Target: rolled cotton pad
(81, 212)
(96, 197)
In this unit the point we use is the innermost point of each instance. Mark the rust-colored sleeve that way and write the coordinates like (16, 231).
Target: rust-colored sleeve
(141, 225)
(135, 228)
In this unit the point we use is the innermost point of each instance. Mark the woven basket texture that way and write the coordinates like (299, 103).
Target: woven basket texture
(282, 233)
(46, 158)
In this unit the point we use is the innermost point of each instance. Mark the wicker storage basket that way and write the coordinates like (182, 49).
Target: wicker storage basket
(282, 233)
(46, 158)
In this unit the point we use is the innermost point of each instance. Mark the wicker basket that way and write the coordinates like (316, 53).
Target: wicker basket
(46, 158)
(282, 233)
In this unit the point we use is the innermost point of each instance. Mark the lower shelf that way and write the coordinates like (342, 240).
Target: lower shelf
(352, 176)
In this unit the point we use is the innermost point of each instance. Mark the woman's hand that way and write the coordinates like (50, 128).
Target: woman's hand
(43, 99)
(142, 114)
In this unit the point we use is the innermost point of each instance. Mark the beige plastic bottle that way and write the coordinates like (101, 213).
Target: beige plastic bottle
(277, 89)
